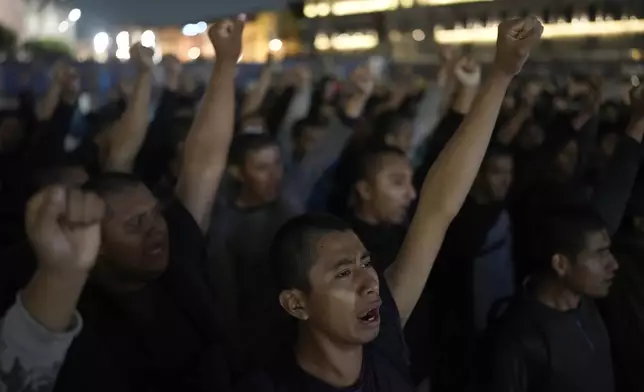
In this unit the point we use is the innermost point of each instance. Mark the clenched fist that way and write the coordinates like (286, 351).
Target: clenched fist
(468, 72)
(226, 37)
(516, 39)
(142, 56)
(64, 228)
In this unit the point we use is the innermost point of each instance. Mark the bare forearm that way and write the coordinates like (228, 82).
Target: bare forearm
(464, 99)
(49, 102)
(128, 134)
(51, 298)
(206, 148)
(444, 191)
(254, 100)
(511, 129)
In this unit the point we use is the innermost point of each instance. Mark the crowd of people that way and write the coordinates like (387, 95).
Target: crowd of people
(359, 235)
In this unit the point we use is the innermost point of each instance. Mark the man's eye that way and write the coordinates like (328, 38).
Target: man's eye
(367, 263)
(344, 274)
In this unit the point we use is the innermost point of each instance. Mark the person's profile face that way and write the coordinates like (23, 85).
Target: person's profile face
(308, 140)
(499, 171)
(593, 271)
(135, 235)
(344, 301)
(261, 174)
(531, 137)
(391, 191)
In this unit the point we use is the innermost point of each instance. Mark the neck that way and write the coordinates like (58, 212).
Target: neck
(338, 365)
(248, 200)
(554, 295)
(365, 215)
(480, 197)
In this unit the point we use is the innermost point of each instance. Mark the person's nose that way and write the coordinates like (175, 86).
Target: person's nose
(613, 264)
(411, 192)
(369, 284)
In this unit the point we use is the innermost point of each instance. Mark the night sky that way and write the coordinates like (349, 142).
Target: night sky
(99, 15)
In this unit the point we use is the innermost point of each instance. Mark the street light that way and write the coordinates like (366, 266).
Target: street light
(148, 39)
(74, 15)
(63, 26)
(101, 42)
(275, 45)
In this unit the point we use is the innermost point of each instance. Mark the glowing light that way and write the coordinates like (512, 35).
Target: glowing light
(551, 31)
(324, 9)
(193, 29)
(74, 15)
(406, 3)
(101, 42)
(448, 2)
(635, 81)
(123, 53)
(123, 40)
(63, 26)
(275, 45)
(418, 35)
(636, 54)
(194, 53)
(148, 39)
(310, 10)
(347, 42)
(351, 7)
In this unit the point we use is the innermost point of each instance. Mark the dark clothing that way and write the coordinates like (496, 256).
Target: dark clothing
(542, 349)
(623, 313)
(162, 338)
(474, 274)
(238, 245)
(382, 241)
(384, 367)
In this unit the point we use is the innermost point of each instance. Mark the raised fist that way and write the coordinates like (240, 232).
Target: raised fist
(363, 80)
(64, 228)
(516, 39)
(172, 65)
(142, 56)
(637, 102)
(226, 37)
(468, 72)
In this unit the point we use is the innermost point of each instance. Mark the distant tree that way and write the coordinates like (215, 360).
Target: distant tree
(48, 48)
(8, 39)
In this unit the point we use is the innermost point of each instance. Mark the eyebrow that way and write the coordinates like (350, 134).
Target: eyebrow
(346, 262)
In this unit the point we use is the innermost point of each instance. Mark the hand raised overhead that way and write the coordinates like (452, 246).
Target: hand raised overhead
(468, 72)
(516, 39)
(64, 228)
(142, 56)
(226, 37)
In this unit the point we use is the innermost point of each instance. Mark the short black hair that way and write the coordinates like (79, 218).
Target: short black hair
(310, 122)
(243, 144)
(105, 184)
(292, 251)
(387, 123)
(368, 162)
(564, 231)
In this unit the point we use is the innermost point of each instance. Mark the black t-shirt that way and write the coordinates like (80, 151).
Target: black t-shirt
(384, 367)
(540, 349)
(162, 338)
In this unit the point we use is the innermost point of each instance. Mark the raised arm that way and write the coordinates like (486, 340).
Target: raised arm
(206, 147)
(450, 178)
(124, 139)
(64, 231)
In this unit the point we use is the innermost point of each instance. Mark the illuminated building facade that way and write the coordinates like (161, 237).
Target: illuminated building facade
(410, 30)
(190, 42)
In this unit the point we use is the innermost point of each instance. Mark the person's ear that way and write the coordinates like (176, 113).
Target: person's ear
(363, 189)
(235, 172)
(560, 264)
(293, 302)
